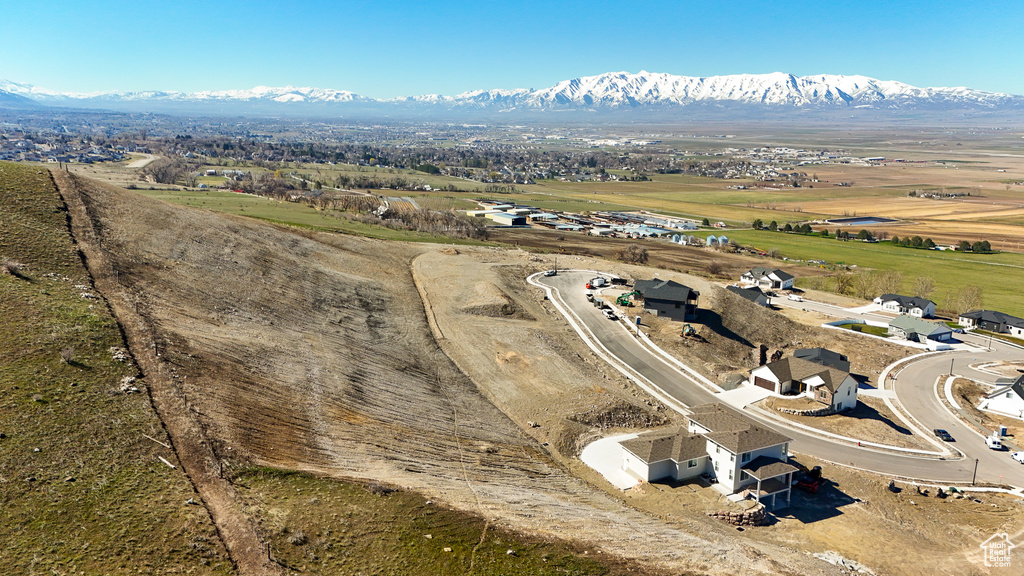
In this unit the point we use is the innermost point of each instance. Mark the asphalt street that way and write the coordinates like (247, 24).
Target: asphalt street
(915, 387)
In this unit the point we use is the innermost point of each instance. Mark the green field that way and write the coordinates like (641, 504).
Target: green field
(998, 275)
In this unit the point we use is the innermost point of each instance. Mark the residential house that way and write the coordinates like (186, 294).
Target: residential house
(768, 278)
(754, 294)
(721, 442)
(993, 322)
(918, 330)
(829, 386)
(912, 305)
(1007, 399)
(825, 357)
(668, 298)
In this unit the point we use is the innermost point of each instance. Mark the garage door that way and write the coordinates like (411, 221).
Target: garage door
(762, 383)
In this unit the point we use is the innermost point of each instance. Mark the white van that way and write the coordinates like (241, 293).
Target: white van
(994, 442)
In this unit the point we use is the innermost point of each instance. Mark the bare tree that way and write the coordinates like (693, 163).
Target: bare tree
(844, 282)
(966, 299)
(632, 254)
(714, 267)
(924, 286)
(865, 284)
(888, 281)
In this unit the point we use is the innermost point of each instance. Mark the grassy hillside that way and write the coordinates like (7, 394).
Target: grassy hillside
(83, 488)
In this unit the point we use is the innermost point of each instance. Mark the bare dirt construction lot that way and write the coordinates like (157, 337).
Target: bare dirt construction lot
(527, 360)
(440, 371)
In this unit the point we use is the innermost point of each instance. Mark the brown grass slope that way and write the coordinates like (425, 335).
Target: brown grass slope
(313, 352)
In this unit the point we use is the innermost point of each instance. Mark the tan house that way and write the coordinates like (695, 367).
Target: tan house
(795, 376)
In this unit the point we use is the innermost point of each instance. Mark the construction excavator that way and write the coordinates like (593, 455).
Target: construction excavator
(624, 300)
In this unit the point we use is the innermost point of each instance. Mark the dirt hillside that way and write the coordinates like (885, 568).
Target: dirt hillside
(313, 352)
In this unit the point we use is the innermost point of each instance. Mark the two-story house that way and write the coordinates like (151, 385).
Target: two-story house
(719, 442)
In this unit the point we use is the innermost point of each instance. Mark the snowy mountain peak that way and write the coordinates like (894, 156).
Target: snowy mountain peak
(613, 90)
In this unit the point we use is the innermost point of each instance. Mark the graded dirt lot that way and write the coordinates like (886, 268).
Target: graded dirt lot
(439, 370)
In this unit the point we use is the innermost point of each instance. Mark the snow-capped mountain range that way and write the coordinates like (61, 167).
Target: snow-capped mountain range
(611, 91)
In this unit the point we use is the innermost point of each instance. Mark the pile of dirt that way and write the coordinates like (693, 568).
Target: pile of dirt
(620, 414)
(489, 300)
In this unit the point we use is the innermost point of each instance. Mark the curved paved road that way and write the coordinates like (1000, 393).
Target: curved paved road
(567, 289)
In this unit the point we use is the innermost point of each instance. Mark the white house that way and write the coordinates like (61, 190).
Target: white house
(910, 305)
(1007, 400)
(993, 322)
(768, 278)
(721, 442)
(827, 385)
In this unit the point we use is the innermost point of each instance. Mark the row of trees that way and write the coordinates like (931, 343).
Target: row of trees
(913, 242)
(869, 284)
(979, 247)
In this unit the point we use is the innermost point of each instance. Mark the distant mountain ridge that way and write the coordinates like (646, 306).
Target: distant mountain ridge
(611, 91)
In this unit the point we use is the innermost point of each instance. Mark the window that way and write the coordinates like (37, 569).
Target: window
(718, 449)
(849, 391)
(691, 464)
(732, 457)
(716, 465)
(744, 475)
(730, 474)
(746, 457)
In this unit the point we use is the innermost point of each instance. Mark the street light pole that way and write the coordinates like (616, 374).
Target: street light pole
(975, 477)
(951, 366)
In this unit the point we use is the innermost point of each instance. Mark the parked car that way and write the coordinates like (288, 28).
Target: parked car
(811, 481)
(1018, 456)
(943, 435)
(796, 297)
(958, 330)
(610, 315)
(551, 272)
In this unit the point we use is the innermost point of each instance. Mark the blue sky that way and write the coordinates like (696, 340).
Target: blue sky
(386, 49)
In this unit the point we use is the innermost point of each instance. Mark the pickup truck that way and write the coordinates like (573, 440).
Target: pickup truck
(994, 442)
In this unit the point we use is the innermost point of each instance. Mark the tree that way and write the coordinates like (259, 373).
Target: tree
(773, 226)
(888, 281)
(928, 244)
(788, 227)
(757, 224)
(964, 246)
(844, 282)
(916, 242)
(923, 286)
(864, 235)
(982, 247)
(895, 240)
(773, 253)
(824, 233)
(705, 222)
(864, 285)
(966, 299)
(714, 267)
(632, 254)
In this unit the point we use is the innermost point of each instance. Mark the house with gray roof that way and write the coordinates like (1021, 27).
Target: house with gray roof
(768, 278)
(910, 305)
(721, 442)
(918, 330)
(833, 388)
(993, 321)
(753, 294)
(825, 357)
(668, 298)
(1007, 399)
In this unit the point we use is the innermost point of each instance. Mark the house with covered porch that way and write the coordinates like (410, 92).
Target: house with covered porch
(829, 386)
(718, 442)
